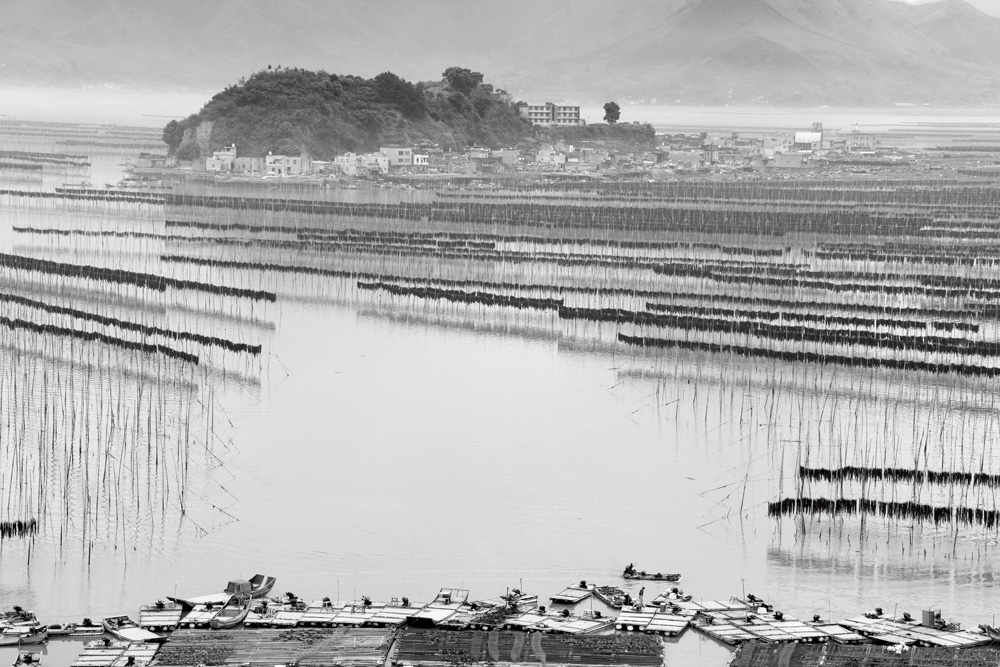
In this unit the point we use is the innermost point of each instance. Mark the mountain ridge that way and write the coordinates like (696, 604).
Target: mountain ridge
(775, 52)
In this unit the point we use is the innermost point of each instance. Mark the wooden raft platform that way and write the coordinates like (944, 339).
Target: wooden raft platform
(889, 631)
(441, 647)
(115, 654)
(270, 647)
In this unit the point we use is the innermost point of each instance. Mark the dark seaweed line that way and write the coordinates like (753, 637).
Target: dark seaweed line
(862, 474)
(892, 510)
(756, 279)
(486, 298)
(20, 528)
(789, 333)
(477, 236)
(132, 326)
(143, 280)
(982, 310)
(771, 315)
(95, 195)
(811, 357)
(12, 323)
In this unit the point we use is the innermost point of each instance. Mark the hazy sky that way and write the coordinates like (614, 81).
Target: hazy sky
(989, 6)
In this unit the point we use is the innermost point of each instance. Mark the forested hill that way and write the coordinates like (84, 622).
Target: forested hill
(291, 110)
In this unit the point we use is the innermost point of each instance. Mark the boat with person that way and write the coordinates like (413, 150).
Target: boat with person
(231, 614)
(128, 630)
(24, 633)
(631, 573)
(28, 658)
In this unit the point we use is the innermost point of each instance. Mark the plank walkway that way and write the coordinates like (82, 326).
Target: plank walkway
(362, 647)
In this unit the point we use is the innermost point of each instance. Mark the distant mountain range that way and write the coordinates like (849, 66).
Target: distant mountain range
(769, 52)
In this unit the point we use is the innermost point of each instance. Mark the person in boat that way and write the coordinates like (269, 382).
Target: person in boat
(629, 569)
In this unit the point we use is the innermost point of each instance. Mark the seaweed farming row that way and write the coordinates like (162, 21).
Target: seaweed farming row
(905, 475)
(988, 518)
(121, 276)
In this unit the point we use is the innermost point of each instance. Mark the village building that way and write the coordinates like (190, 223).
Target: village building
(363, 165)
(287, 165)
(859, 142)
(690, 159)
(150, 161)
(398, 156)
(221, 160)
(249, 165)
(808, 141)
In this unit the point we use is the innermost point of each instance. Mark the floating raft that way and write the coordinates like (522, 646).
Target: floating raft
(435, 647)
(736, 627)
(199, 617)
(889, 631)
(392, 616)
(301, 646)
(651, 620)
(160, 618)
(572, 595)
(115, 654)
(445, 605)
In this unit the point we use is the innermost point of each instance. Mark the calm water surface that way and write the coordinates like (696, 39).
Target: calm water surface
(387, 449)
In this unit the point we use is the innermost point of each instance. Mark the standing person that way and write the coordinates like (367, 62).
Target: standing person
(641, 592)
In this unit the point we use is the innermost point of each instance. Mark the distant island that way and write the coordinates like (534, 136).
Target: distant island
(292, 111)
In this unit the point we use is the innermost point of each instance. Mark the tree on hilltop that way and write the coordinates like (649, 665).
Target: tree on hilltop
(612, 112)
(462, 80)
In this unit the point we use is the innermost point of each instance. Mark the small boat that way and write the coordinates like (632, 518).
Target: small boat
(261, 585)
(631, 573)
(27, 633)
(231, 614)
(28, 658)
(75, 630)
(991, 632)
(612, 596)
(125, 628)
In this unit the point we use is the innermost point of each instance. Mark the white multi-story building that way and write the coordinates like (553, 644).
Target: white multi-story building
(547, 113)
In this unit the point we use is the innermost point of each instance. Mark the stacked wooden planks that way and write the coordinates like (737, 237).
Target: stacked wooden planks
(301, 646)
(442, 647)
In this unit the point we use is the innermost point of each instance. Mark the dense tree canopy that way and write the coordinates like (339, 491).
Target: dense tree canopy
(326, 114)
(612, 112)
(462, 80)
